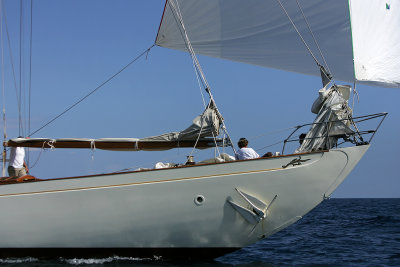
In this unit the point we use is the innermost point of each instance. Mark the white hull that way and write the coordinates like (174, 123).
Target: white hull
(157, 209)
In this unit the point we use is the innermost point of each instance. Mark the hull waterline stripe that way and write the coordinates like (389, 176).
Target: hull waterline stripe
(137, 183)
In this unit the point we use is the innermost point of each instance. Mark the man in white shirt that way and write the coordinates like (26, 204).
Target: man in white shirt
(17, 166)
(245, 152)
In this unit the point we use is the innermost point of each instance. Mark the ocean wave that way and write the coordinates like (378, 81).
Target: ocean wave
(384, 219)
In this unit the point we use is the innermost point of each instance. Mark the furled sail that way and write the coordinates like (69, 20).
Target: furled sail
(258, 32)
(201, 134)
(333, 119)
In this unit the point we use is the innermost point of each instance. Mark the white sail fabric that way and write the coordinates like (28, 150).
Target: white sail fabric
(376, 37)
(258, 32)
(332, 121)
(205, 125)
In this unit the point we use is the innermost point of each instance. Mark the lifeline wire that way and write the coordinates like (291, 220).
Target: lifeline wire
(94, 90)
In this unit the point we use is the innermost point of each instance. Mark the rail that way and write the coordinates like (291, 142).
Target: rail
(356, 137)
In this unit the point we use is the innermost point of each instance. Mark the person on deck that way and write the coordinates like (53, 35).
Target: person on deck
(301, 140)
(245, 152)
(17, 166)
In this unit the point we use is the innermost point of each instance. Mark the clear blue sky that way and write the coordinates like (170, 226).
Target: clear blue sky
(79, 44)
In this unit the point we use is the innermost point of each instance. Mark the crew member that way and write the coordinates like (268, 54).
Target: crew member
(17, 166)
(245, 152)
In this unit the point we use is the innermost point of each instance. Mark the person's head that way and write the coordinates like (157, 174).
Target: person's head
(301, 138)
(243, 142)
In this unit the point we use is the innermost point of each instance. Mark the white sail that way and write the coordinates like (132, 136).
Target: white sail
(258, 32)
(376, 38)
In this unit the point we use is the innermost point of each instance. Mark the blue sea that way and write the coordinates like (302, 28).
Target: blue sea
(339, 232)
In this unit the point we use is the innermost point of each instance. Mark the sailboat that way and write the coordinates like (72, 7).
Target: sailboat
(216, 206)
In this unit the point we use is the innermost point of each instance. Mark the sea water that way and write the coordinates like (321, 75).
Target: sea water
(339, 232)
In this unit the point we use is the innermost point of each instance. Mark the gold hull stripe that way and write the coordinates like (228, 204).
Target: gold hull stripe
(137, 183)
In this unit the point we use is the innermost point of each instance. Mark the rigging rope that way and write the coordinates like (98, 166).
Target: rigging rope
(322, 69)
(179, 20)
(274, 144)
(196, 64)
(20, 66)
(298, 32)
(28, 127)
(312, 33)
(355, 93)
(271, 132)
(11, 57)
(94, 90)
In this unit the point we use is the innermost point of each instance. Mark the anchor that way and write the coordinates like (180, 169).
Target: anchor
(258, 209)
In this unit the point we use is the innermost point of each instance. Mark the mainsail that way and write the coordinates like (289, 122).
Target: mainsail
(357, 38)
(200, 134)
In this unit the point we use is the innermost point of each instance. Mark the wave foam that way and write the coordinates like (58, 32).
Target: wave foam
(77, 261)
(17, 260)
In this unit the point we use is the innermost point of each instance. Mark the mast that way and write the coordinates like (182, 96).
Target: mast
(4, 152)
